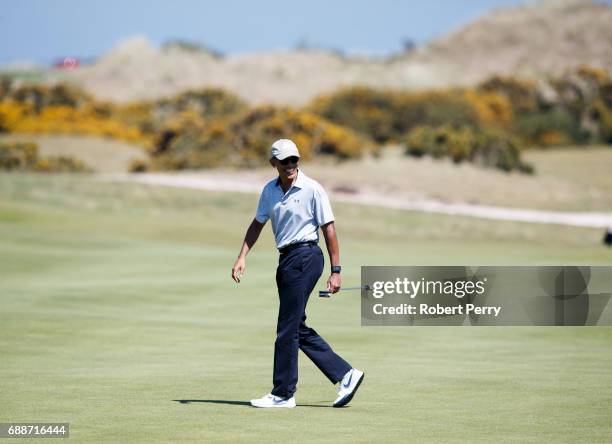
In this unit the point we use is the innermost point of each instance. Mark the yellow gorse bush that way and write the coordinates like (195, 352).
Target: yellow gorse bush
(191, 141)
(66, 120)
(11, 114)
(493, 109)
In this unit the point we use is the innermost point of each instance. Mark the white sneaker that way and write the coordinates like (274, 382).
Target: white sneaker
(348, 387)
(273, 401)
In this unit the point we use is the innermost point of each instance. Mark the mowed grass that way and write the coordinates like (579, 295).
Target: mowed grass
(118, 316)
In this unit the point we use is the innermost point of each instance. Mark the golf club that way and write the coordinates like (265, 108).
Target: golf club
(327, 293)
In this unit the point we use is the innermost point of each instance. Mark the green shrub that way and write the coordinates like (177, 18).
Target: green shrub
(138, 166)
(258, 128)
(490, 148)
(363, 109)
(60, 164)
(603, 115)
(434, 108)
(23, 156)
(605, 94)
(42, 96)
(154, 118)
(497, 149)
(5, 86)
(555, 127)
(523, 94)
(386, 115)
(207, 102)
(441, 141)
(18, 155)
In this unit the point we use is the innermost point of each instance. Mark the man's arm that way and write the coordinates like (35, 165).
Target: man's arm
(250, 238)
(331, 240)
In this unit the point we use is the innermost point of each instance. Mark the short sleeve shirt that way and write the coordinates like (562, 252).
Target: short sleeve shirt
(297, 214)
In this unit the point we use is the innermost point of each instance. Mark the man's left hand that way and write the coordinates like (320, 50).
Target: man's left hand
(334, 282)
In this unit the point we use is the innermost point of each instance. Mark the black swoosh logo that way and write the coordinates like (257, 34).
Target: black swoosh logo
(349, 382)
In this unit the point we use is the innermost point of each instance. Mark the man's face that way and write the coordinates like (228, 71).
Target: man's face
(287, 168)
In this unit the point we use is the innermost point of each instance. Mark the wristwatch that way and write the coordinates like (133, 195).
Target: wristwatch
(336, 269)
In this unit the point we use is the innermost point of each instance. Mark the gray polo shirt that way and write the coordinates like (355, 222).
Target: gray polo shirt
(297, 214)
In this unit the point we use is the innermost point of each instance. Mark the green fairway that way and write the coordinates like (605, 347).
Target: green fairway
(119, 316)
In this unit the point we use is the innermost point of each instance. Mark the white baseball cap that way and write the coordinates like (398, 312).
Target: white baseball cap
(283, 148)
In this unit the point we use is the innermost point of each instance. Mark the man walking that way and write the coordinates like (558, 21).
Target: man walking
(297, 206)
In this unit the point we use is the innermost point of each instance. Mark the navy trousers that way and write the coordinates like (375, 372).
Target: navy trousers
(297, 274)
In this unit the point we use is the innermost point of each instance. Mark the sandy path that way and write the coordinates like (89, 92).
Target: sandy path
(253, 183)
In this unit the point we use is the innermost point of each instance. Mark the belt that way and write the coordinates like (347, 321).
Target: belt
(295, 246)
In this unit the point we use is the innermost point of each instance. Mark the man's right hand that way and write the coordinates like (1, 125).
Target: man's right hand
(238, 269)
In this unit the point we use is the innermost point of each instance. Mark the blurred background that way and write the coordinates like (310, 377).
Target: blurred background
(134, 139)
(429, 103)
